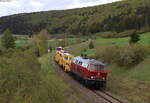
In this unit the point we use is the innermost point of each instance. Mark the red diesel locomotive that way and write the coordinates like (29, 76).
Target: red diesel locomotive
(92, 72)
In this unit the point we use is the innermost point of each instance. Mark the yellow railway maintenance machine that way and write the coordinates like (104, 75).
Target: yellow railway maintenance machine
(57, 53)
(64, 59)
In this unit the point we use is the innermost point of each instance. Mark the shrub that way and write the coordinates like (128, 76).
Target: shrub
(22, 80)
(62, 43)
(20, 74)
(109, 34)
(131, 55)
(78, 40)
(134, 37)
(42, 42)
(107, 54)
(124, 56)
(91, 45)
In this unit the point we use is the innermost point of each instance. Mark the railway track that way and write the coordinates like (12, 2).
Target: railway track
(107, 97)
(89, 96)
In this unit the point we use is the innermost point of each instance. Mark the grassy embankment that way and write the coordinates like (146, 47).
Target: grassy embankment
(55, 82)
(131, 83)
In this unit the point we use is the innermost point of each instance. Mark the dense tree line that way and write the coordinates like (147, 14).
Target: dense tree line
(116, 17)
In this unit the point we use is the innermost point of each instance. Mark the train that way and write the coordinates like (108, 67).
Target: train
(63, 58)
(90, 71)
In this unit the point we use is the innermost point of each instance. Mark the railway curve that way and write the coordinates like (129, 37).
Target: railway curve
(86, 95)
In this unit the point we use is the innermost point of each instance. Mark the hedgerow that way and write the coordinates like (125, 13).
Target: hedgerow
(125, 56)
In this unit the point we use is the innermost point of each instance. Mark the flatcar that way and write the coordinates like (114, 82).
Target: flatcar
(90, 71)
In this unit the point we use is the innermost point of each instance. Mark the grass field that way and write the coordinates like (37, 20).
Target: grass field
(131, 83)
(145, 39)
(102, 42)
(70, 41)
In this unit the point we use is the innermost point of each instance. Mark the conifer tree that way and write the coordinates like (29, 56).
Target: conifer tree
(8, 40)
(91, 45)
(134, 37)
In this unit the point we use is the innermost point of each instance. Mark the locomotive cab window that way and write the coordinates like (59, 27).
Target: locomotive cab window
(76, 61)
(80, 63)
(97, 67)
(85, 65)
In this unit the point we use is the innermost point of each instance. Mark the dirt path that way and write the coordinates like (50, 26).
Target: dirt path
(78, 93)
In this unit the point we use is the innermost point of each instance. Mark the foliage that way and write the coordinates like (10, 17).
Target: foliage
(124, 56)
(62, 43)
(91, 45)
(115, 17)
(8, 40)
(19, 78)
(40, 43)
(134, 37)
(24, 80)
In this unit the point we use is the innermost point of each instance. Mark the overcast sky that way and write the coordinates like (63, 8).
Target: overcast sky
(25, 6)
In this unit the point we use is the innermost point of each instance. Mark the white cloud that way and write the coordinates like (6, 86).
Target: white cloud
(21, 6)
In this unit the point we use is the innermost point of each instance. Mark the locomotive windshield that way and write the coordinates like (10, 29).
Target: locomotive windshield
(66, 58)
(97, 67)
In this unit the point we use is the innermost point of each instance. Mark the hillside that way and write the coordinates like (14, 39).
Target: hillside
(118, 17)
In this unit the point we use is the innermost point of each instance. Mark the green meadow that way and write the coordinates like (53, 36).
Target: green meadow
(145, 40)
(131, 83)
(100, 42)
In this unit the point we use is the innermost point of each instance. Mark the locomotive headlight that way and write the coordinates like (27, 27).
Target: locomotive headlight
(103, 78)
(92, 77)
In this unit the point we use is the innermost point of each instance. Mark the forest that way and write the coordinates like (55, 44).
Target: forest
(115, 17)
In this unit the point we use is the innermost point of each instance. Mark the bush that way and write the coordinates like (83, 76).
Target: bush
(134, 37)
(124, 56)
(62, 43)
(22, 80)
(91, 45)
(19, 76)
(109, 34)
(131, 55)
(107, 54)
(78, 40)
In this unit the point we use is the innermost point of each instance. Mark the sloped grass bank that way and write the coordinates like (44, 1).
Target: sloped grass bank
(132, 84)
(52, 82)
